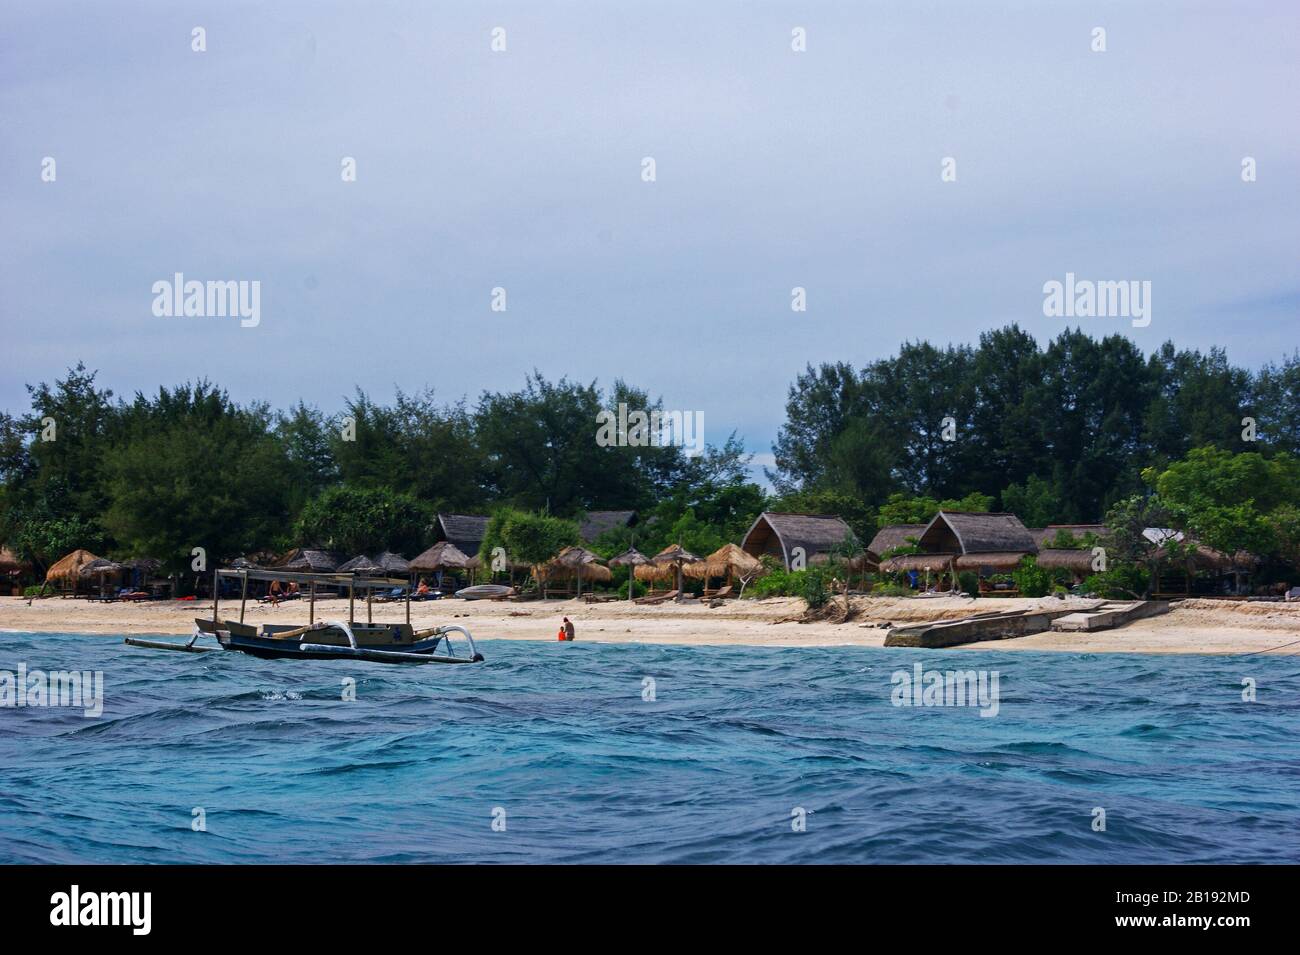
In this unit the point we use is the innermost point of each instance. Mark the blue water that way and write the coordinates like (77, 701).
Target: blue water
(559, 737)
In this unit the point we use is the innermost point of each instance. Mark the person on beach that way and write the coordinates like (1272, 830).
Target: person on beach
(423, 589)
(273, 594)
(568, 629)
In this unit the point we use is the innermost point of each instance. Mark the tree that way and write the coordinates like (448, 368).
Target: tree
(189, 468)
(356, 520)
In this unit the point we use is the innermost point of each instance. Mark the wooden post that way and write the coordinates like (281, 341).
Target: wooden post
(352, 596)
(243, 597)
(311, 610)
(216, 595)
(369, 617)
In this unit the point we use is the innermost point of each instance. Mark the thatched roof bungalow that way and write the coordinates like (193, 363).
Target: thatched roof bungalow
(963, 540)
(466, 531)
(780, 535)
(893, 536)
(594, 523)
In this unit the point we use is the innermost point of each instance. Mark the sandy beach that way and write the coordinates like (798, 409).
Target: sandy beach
(1193, 626)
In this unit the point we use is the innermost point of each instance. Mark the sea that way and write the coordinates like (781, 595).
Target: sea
(638, 753)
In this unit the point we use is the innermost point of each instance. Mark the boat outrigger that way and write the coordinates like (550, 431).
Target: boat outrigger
(323, 639)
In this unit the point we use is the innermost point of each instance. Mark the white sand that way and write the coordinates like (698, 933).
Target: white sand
(1195, 626)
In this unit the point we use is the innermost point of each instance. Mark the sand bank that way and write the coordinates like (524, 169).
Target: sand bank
(1194, 626)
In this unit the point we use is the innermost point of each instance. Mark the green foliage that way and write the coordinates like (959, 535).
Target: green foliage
(1226, 500)
(888, 589)
(860, 516)
(912, 509)
(527, 537)
(1122, 582)
(191, 469)
(638, 588)
(969, 581)
(356, 520)
(1032, 580)
(1038, 502)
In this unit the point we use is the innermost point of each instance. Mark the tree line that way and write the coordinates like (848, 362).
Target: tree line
(1067, 432)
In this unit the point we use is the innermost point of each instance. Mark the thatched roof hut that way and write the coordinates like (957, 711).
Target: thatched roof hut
(936, 563)
(892, 536)
(1043, 536)
(67, 569)
(143, 565)
(361, 564)
(727, 561)
(310, 561)
(1078, 562)
(392, 565)
(594, 523)
(443, 555)
(963, 540)
(466, 531)
(965, 532)
(781, 535)
(11, 563)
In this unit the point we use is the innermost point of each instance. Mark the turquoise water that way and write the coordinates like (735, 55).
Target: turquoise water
(586, 770)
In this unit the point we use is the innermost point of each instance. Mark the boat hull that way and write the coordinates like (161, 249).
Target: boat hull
(419, 651)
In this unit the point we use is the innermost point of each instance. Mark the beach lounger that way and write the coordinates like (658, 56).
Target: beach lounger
(1293, 594)
(662, 598)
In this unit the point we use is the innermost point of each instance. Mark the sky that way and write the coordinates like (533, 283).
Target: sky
(523, 169)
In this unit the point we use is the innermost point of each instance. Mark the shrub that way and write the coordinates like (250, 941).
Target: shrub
(1032, 580)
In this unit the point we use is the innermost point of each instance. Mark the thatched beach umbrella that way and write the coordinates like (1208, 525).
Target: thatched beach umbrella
(361, 564)
(392, 565)
(310, 561)
(99, 569)
(443, 555)
(634, 559)
(727, 561)
(10, 562)
(675, 556)
(576, 562)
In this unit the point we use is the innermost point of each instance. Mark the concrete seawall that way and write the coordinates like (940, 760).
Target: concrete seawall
(990, 626)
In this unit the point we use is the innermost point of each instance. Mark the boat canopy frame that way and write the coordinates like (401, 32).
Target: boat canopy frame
(352, 581)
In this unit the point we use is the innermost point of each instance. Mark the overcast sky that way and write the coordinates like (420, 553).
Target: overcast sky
(523, 169)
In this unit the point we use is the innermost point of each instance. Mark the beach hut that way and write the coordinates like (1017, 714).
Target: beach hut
(65, 573)
(795, 539)
(306, 559)
(362, 565)
(576, 563)
(441, 559)
(594, 523)
(392, 565)
(12, 568)
(728, 562)
(891, 537)
(633, 559)
(466, 531)
(983, 542)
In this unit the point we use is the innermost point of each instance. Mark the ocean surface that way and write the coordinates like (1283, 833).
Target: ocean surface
(554, 752)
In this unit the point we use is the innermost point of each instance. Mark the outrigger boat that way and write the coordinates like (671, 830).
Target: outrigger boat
(322, 639)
